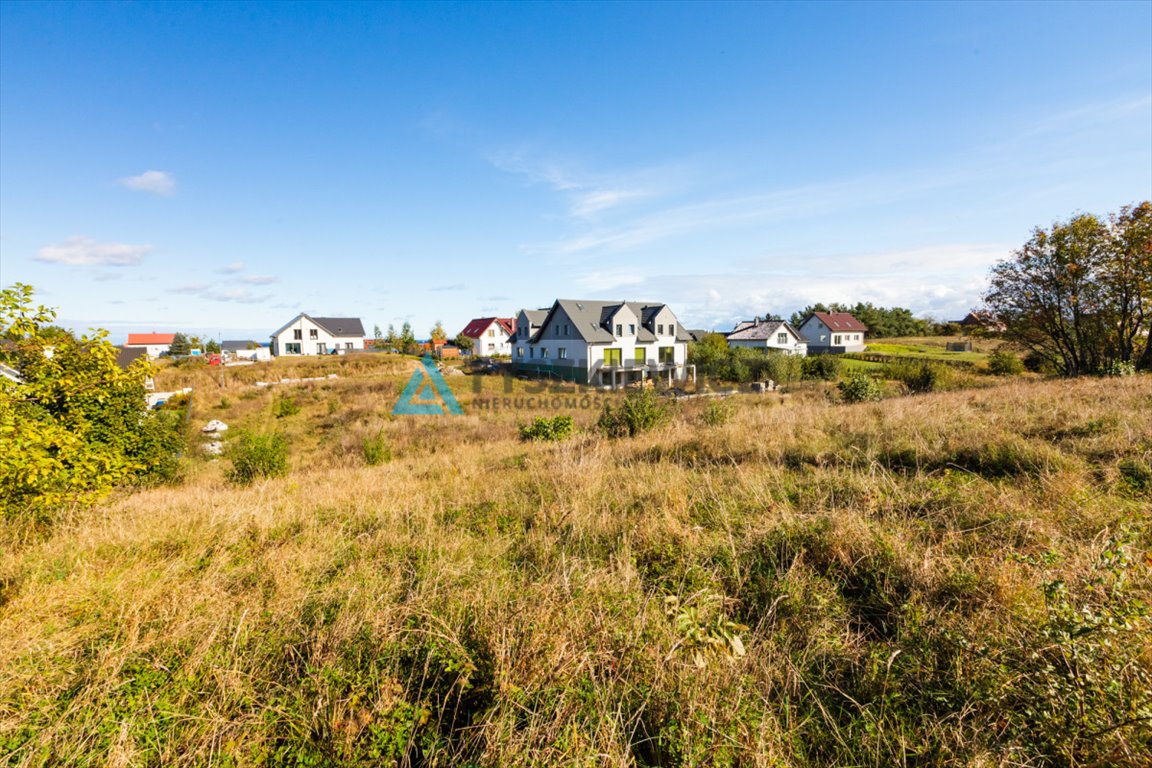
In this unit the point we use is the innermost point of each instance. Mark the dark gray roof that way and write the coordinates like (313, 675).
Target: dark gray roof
(764, 329)
(341, 326)
(591, 319)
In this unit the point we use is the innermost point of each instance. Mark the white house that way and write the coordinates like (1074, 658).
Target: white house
(306, 335)
(833, 332)
(245, 349)
(154, 344)
(490, 335)
(776, 335)
(609, 343)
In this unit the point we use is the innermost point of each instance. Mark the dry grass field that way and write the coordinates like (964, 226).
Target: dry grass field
(951, 579)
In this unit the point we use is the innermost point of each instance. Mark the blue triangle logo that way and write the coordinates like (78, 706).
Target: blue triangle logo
(427, 394)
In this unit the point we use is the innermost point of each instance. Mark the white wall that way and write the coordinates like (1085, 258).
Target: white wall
(313, 340)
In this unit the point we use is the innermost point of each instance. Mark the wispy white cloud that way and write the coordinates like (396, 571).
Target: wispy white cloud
(86, 252)
(228, 269)
(159, 183)
(260, 279)
(588, 194)
(452, 287)
(219, 293)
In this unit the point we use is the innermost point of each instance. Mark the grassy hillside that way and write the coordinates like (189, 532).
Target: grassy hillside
(948, 579)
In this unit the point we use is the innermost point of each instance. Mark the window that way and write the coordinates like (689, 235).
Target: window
(347, 345)
(856, 337)
(562, 353)
(660, 329)
(836, 340)
(292, 349)
(491, 332)
(631, 329)
(519, 351)
(619, 330)
(781, 338)
(320, 349)
(543, 351)
(672, 329)
(667, 354)
(641, 355)
(612, 357)
(297, 334)
(313, 334)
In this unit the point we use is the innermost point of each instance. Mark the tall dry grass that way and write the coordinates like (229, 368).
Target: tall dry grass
(477, 600)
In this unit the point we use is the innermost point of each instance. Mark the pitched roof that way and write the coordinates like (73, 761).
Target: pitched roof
(141, 339)
(478, 325)
(591, 318)
(839, 321)
(125, 356)
(341, 326)
(238, 345)
(763, 330)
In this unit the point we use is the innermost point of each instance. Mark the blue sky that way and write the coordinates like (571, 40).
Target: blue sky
(217, 168)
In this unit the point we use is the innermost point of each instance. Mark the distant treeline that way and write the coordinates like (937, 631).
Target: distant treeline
(883, 321)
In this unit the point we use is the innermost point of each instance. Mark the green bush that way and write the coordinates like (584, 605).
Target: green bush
(285, 406)
(821, 367)
(1120, 368)
(717, 412)
(638, 412)
(376, 450)
(920, 377)
(859, 388)
(256, 456)
(780, 368)
(542, 428)
(1003, 363)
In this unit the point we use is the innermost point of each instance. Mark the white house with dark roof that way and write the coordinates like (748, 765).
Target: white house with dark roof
(773, 335)
(490, 335)
(606, 343)
(306, 335)
(833, 332)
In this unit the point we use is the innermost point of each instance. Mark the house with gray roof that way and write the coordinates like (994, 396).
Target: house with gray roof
(605, 343)
(307, 335)
(772, 335)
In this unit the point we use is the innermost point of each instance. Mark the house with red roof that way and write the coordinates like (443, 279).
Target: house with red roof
(490, 335)
(833, 332)
(154, 344)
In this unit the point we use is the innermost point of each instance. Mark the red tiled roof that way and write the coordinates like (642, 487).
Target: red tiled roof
(149, 338)
(476, 327)
(840, 321)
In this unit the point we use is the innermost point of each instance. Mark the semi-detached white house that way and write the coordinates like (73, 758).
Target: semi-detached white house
(833, 332)
(607, 343)
(774, 335)
(490, 335)
(306, 335)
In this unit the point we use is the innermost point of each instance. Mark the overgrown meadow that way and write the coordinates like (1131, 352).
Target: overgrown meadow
(944, 579)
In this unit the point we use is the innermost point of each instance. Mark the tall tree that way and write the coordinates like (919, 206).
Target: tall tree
(1079, 294)
(438, 334)
(392, 339)
(180, 345)
(407, 342)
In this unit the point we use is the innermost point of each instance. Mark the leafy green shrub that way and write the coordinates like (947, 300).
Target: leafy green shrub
(376, 450)
(859, 388)
(1003, 363)
(821, 367)
(920, 377)
(256, 456)
(1120, 368)
(717, 412)
(780, 368)
(638, 412)
(285, 406)
(542, 428)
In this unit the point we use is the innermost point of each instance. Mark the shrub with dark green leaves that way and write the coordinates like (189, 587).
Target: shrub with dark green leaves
(638, 412)
(920, 377)
(285, 406)
(822, 367)
(1003, 363)
(376, 450)
(256, 456)
(860, 388)
(543, 428)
